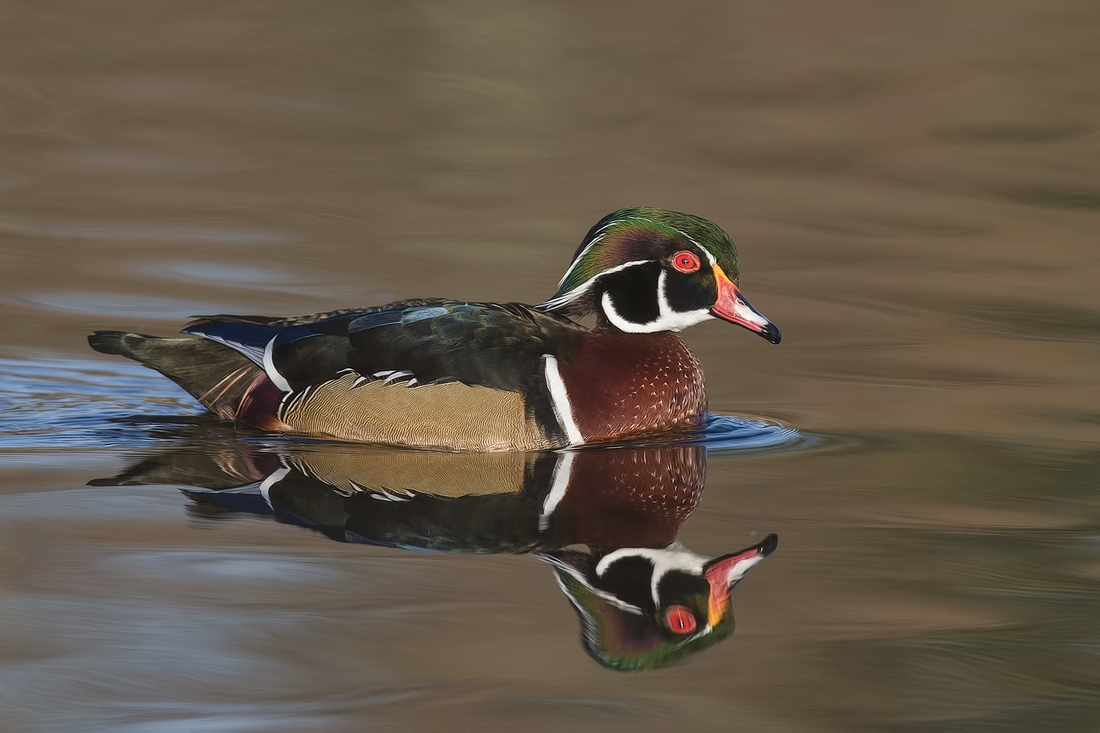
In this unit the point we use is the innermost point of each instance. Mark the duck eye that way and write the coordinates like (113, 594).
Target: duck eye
(685, 261)
(679, 618)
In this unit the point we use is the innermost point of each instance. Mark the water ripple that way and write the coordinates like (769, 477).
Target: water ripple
(81, 403)
(728, 433)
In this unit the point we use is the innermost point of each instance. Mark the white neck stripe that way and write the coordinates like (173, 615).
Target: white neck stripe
(668, 320)
(559, 399)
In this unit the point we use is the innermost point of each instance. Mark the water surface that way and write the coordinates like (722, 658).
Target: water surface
(913, 191)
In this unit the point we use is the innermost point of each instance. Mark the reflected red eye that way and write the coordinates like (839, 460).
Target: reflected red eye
(679, 618)
(685, 261)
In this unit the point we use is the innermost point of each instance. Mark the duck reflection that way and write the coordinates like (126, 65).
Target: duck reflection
(644, 600)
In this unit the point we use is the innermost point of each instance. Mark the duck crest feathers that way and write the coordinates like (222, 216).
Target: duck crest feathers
(631, 237)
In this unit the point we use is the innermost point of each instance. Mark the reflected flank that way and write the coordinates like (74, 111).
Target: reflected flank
(644, 600)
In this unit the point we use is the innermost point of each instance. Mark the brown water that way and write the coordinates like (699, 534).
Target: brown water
(915, 194)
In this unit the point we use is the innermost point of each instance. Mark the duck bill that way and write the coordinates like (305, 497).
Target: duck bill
(731, 306)
(723, 573)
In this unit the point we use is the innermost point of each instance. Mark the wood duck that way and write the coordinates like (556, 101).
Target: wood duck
(482, 376)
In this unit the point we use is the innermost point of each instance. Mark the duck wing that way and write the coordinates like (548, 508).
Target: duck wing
(421, 342)
(485, 344)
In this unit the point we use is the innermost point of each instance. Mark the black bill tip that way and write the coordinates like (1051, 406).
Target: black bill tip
(768, 546)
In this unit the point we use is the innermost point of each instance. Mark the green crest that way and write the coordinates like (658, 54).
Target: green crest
(637, 235)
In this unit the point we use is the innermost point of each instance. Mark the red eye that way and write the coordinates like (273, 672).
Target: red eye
(685, 261)
(679, 618)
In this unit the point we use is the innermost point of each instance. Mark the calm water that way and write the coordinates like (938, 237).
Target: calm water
(915, 194)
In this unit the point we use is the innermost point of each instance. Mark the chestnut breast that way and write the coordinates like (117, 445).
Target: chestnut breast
(622, 385)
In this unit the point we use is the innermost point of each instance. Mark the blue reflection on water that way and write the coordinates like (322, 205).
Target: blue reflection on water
(82, 403)
(728, 433)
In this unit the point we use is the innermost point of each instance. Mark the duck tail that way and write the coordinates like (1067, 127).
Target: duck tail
(219, 377)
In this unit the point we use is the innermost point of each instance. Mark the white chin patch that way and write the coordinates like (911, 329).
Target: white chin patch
(667, 319)
(663, 561)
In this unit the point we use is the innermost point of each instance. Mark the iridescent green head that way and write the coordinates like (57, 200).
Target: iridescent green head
(644, 270)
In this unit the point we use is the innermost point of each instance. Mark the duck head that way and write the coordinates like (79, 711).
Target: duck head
(645, 608)
(646, 270)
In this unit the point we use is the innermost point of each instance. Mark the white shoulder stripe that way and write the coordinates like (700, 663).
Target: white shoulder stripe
(269, 366)
(560, 401)
(559, 484)
(271, 480)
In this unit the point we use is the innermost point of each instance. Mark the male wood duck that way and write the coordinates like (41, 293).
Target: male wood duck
(482, 376)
